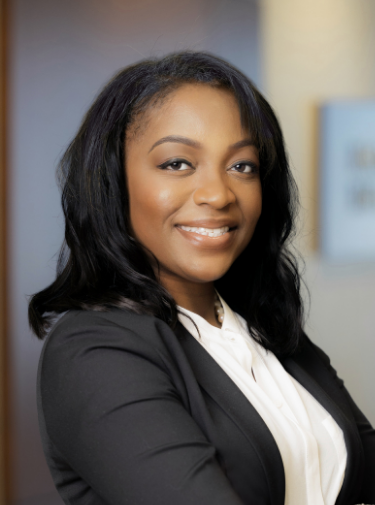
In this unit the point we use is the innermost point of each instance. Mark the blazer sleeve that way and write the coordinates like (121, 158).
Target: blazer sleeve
(116, 417)
(366, 432)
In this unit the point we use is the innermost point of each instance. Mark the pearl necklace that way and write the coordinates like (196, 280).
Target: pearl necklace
(219, 310)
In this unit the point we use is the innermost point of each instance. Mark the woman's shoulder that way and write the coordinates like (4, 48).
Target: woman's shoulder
(86, 334)
(314, 360)
(310, 351)
(78, 323)
(80, 318)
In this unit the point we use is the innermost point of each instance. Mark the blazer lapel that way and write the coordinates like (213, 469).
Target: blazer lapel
(212, 378)
(355, 459)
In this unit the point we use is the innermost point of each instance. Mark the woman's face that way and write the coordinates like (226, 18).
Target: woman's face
(193, 181)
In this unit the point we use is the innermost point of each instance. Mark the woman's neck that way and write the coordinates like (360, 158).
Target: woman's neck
(196, 297)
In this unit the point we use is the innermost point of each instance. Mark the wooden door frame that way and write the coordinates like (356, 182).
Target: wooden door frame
(4, 448)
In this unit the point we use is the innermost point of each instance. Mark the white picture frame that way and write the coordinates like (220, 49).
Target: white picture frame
(347, 180)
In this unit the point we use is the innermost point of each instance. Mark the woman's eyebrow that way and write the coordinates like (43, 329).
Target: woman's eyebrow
(177, 139)
(242, 143)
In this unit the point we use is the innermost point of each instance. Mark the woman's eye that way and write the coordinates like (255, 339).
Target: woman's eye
(177, 165)
(245, 168)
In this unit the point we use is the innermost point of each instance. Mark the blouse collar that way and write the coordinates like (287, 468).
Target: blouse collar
(231, 322)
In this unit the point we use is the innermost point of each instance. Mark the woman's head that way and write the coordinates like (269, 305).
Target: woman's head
(193, 166)
(128, 189)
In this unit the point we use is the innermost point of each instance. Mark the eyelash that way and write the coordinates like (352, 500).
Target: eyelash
(166, 164)
(253, 166)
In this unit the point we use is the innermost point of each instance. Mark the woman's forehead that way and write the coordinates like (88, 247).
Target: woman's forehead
(192, 109)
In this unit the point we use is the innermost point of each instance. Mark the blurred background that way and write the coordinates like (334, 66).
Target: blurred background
(56, 55)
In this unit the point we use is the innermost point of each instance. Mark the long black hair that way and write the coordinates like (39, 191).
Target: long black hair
(102, 266)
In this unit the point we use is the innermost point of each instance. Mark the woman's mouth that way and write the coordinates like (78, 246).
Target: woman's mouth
(209, 238)
(209, 232)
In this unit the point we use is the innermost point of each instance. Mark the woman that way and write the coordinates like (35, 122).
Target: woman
(179, 372)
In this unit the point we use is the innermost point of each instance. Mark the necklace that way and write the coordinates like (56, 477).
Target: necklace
(219, 311)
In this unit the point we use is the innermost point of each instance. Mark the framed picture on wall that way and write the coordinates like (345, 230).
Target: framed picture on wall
(347, 180)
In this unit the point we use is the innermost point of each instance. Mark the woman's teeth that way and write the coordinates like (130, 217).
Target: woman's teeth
(210, 232)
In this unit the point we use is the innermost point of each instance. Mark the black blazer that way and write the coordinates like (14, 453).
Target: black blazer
(134, 413)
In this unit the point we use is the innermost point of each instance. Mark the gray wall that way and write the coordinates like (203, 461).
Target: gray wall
(62, 52)
(341, 320)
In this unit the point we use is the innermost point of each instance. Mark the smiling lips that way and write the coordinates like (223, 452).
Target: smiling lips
(209, 232)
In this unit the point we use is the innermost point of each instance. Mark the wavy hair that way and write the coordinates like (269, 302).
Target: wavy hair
(102, 266)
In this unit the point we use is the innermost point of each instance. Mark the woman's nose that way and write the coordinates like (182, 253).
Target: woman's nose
(214, 190)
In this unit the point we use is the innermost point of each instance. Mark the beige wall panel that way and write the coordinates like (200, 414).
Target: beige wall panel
(313, 51)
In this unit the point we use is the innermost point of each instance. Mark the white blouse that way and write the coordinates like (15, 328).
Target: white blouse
(310, 442)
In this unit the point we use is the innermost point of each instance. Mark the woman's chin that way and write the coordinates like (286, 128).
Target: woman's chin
(206, 274)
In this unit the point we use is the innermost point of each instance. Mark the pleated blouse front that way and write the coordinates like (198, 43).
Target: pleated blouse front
(310, 442)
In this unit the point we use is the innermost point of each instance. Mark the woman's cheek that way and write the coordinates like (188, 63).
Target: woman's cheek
(151, 207)
(165, 198)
